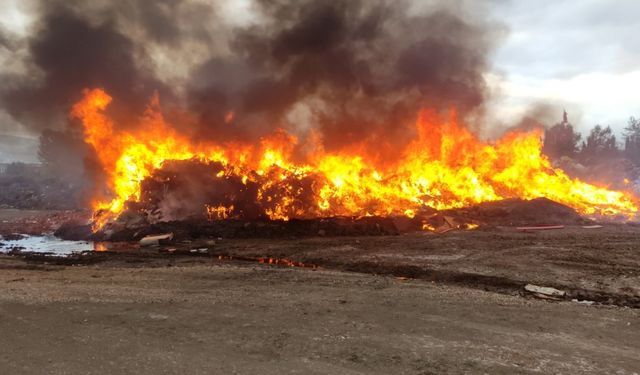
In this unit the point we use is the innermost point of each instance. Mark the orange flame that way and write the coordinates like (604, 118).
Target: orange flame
(219, 212)
(445, 166)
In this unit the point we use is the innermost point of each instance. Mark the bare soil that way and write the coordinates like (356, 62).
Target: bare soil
(408, 304)
(589, 264)
(235, 318)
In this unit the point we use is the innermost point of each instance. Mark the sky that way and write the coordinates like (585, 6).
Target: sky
(578, 55)
(582, 55)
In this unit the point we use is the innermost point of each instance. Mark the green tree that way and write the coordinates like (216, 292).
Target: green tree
(632, 140)
(601, 143)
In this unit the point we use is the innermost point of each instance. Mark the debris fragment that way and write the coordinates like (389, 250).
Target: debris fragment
(592, 226)
(444, 229)
(583, 302)
(544, 290)
(202, 250)
(450, 221)
(156, 239)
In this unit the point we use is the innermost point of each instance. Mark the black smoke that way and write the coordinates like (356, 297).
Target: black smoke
(362, 70)
(68, 53)
(351, 71)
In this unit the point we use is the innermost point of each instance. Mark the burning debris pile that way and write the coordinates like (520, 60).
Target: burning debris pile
(305, 110)
(172, 177)
(137, 222)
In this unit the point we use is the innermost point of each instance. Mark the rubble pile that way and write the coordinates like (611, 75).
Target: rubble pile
(132, 225)
(137, 228)
(504, 213)
(514, 212)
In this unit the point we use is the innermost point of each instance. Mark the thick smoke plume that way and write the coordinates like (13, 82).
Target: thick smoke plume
(346, 73)
(352, 72)
(67, 52)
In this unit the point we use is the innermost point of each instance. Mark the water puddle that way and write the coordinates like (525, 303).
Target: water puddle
(53, 246)
(50, 244)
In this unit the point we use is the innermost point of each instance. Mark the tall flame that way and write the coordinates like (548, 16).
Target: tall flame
(445, 166)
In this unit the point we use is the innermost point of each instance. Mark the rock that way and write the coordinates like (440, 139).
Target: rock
(583, 302)
(544, 290)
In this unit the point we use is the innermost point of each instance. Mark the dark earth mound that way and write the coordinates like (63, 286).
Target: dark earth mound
(517, 212)
(504, 213)
(197, 228)
(133, 225)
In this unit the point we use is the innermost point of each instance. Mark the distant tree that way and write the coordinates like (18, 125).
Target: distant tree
(62, 153)
(600, 143)
(16, 169)
(561, 140)
(632, 140)
(51, 147)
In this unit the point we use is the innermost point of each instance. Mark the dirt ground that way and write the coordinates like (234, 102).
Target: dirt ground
(236, 318)
(408, 304)
(594, 264)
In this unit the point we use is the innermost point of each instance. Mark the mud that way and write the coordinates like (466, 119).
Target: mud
(601, 265)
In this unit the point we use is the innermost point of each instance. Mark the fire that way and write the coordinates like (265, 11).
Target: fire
(445, 166)
(270, 261)
(220, 212)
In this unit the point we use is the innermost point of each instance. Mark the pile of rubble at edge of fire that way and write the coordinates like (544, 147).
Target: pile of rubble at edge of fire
(133, 224)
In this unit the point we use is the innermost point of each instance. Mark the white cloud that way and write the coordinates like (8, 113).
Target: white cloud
(599, 98)
(580, 54)
(15, 16)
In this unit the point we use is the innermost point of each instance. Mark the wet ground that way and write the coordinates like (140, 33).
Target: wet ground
(412, 304)
(47, 244)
